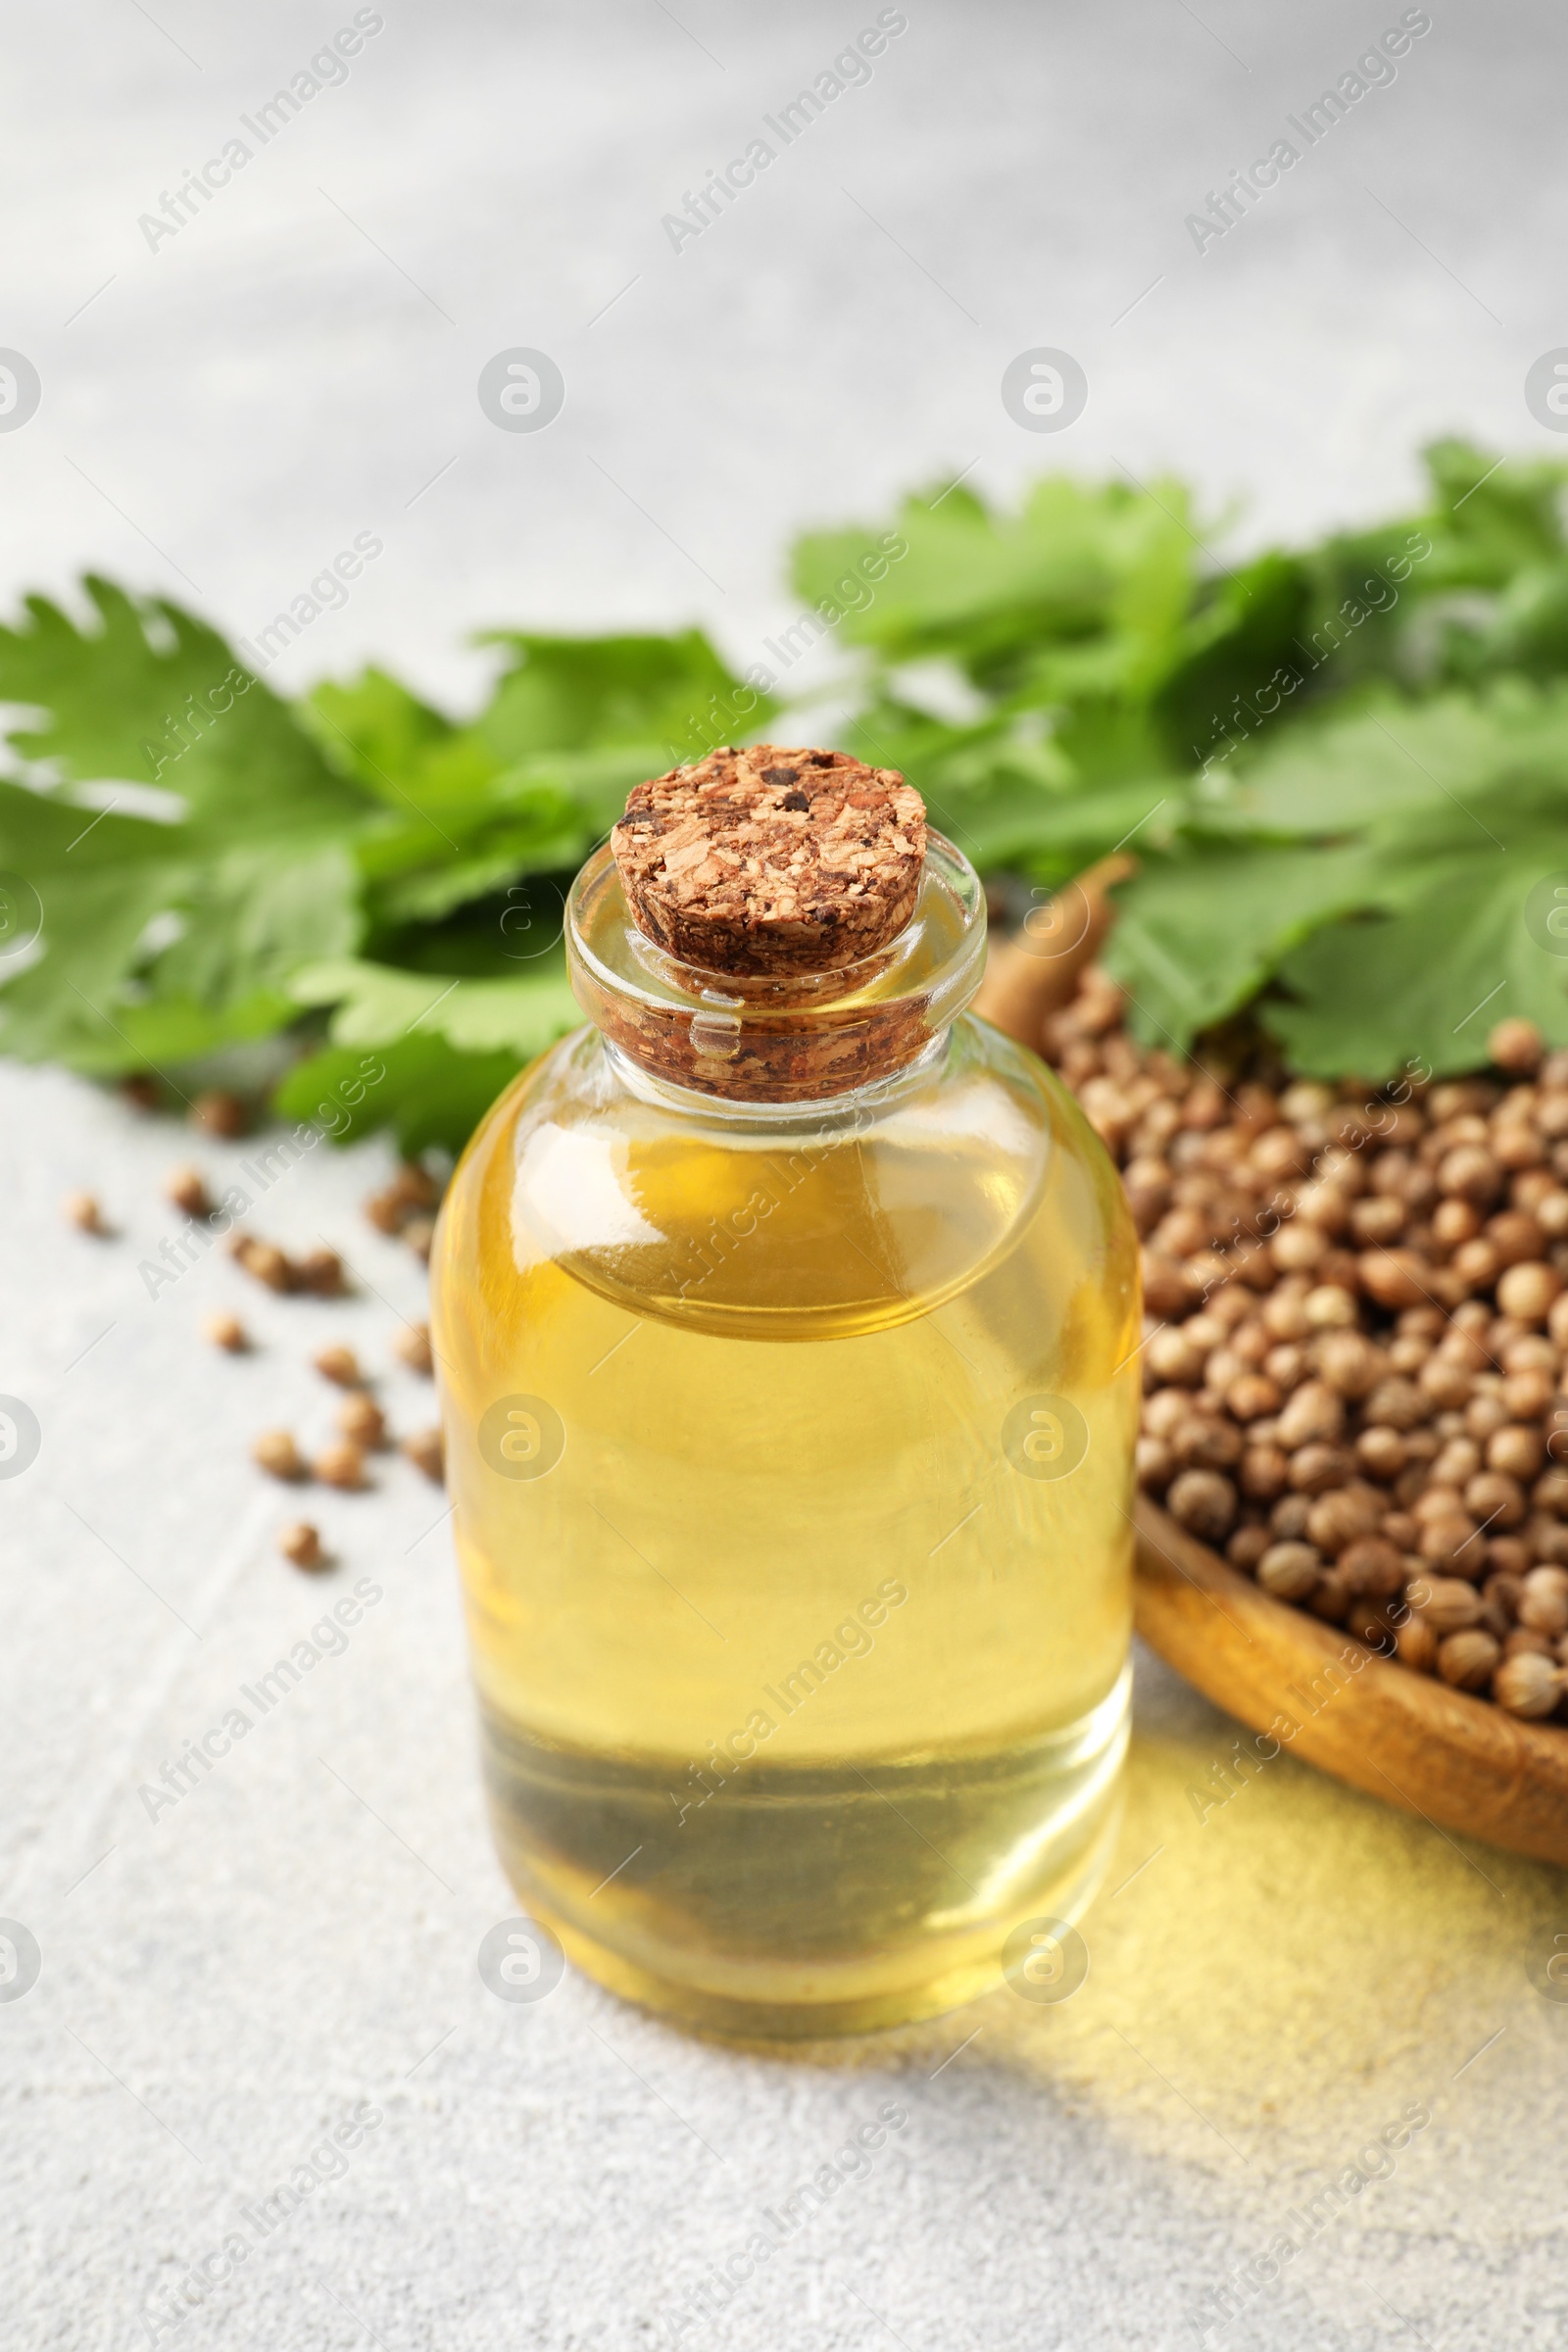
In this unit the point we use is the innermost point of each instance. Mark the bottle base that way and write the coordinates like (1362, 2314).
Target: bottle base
(806, 2014)
(816, 1903)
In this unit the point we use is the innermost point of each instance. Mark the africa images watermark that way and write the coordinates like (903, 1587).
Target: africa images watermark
(328, 2160)
(184, 1250)
(853, 1639)
(726, 715)
(848, 70)
(1375, 2161)
(327, 68)
(1233, 730)
(1229, 205)
(702, 2302)
(328, 1638)
(200, 712)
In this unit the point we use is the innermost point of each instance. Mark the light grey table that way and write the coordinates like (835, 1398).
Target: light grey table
(223, 1985)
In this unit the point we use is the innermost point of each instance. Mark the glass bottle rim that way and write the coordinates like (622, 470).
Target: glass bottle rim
(764, 1038)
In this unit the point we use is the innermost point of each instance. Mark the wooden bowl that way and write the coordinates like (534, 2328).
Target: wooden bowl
(1461, 1763)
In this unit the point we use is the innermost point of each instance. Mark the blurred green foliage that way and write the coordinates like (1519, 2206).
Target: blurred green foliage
(1343, 769)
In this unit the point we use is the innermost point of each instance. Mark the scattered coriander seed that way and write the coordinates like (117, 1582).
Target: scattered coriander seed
(420, 1233)
(386, 1211)
(264, 1261)
(1516, 1047)
(220, 1113)
(414, 1186)
(302, 1543)
(226, 1332)
(411, 1343)
(427, 1451)
(82, 1209)
(140, 1091)
(186, 1188)
(278, 1454)
(320, 1272)
(341, 1465)
(1355, 1346)
(340, 1365)
(360, 1420)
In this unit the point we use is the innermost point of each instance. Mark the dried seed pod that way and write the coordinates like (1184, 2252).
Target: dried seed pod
(1516, 1046)
(1454, 1544)
(1200, 1443)
(1396, 1277)
(1467, 1659)
(427, 1451)
(1399, 1404)
(1527, 1685)
(1263, 1472)
(411, 1343)
(1519, 1450)
(1372, 1567)
(1445, 1603)
(1377, 1222)
(1544, 1601)
(1340, 1517)
(340, 1365)
(226, 1332)
(341, 1465)
(1350, 1364)
(1331, 1598)
(1454, 1223)
(1290, 1570)
(1172, 1357)
(1516, 1238)
(1417, 1644)
(320, 1272)
(1448, 1385)
(1495, 1499)
(1204, 1502)
(186, 1188)
(360, 1420)
(276, 1451)
(1457, 1464)
(264, 1262)
(1526, 1292)
(220, 1113)
(414, 1184)
(1153, 1464)
(388, 1211)
(1313, 1415)
(1316, 1467)
(1470, 1172)
(1330, 1307)
(82, 1209)
(1163, 1409)
(301, 1543)
(1380, 1450)
(1250, 1395)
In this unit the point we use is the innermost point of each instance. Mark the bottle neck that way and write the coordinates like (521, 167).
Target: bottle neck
(807, 1039)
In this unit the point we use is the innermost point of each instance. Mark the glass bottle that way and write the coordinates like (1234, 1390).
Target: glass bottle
(786, 1337)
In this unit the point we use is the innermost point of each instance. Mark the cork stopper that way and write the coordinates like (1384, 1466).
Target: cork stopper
(772, 864)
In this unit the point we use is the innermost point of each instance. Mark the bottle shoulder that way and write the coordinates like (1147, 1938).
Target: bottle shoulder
(869, 1212)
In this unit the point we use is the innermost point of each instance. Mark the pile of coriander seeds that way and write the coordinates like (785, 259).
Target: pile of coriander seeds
(1356, 1332)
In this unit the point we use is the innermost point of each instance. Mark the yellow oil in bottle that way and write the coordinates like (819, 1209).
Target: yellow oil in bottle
(790, 1456)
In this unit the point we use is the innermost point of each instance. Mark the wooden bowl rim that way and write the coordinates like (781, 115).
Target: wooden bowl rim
(1462, 1763)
